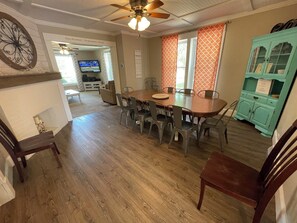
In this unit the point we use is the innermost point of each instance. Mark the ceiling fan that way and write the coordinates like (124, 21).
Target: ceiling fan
(64, 49)
(140, 9)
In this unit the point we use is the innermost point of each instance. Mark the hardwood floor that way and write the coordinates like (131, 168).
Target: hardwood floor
(114, 174)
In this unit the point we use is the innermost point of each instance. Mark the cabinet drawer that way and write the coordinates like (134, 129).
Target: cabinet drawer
(257, 98)
(272, 102)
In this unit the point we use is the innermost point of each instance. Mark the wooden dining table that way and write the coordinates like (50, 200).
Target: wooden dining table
(201, 107)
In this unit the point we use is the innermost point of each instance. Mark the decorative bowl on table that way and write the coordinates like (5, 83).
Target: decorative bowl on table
(160, 96)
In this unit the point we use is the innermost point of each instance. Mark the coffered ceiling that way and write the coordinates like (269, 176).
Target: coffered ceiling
(96, 15)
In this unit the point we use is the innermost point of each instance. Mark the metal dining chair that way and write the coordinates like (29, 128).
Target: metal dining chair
(158, 119)
(208, 94)
(127, 89)
(169, 90)
(219, 124)
(180, 125)
(125, 109)
(187, 91)
(140, 115)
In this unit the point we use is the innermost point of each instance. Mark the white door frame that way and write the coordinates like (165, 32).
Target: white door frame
(49, 37)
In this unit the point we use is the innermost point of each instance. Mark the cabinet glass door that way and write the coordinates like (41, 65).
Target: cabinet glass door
(279, 57)
(257, 60)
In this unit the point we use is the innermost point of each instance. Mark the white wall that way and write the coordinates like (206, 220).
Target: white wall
(127, 45)
(42, 64)
(19, 104)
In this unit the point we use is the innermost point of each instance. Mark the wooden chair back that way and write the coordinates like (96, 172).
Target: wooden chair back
(280, 164)
(8, 140)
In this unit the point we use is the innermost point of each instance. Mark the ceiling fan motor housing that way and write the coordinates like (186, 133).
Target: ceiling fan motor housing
(138, 4)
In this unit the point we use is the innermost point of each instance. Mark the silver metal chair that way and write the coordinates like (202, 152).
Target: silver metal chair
(140, 115)
(160, 120)
(208, 94)
(182, 126)
(125, 109)
(187, 91)
(219, 124)
(127, 89)
(169, 90)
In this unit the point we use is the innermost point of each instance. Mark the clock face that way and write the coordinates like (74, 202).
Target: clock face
(17, 48)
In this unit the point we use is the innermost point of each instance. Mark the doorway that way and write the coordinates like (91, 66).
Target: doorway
(82, 77)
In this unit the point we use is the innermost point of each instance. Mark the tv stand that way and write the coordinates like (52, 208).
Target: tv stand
(92, 85)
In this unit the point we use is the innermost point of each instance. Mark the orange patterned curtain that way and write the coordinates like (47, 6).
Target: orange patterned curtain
(207, 56)
(169, 60)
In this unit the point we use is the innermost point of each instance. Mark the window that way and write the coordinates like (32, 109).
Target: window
(192, 62)
(66, 68)
(108, 64)
(186, 58)
(181, 63)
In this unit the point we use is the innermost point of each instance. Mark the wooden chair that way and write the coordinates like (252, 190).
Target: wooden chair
(182, 126)
(247, 184)
(19, 149)
(208, 94)
(169, 90)
(187, 91)
(219, 124)
(160, 120)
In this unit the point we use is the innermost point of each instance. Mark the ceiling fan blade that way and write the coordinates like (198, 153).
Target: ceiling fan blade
(153, 5)
(121, 7)
(159, 15)
(122, 17)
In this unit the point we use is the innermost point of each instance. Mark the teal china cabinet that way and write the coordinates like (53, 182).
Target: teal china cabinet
(270, 73)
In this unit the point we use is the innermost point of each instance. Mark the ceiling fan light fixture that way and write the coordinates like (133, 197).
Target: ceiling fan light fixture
(64, 52)
(132, 24)
(143, 24)
(139, 25)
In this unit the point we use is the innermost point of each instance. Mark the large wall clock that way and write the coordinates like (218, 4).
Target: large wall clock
(17, 48)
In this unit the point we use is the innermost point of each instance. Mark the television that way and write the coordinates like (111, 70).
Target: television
(89, 66)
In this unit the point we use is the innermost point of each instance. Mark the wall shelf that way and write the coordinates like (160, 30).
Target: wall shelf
(24, 79)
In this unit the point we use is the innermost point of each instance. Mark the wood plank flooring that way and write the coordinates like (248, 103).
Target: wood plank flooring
(112, 173)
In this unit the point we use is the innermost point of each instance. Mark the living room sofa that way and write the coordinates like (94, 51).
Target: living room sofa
(108, 93)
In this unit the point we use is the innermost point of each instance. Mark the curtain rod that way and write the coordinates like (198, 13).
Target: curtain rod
(191, 30)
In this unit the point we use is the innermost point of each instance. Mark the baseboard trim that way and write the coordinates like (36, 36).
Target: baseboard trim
(7, 193)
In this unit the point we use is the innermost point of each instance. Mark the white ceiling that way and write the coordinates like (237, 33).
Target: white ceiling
(96, 15)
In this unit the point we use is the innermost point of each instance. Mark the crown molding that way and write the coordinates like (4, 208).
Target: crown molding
(65, 12)
(76, 28)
